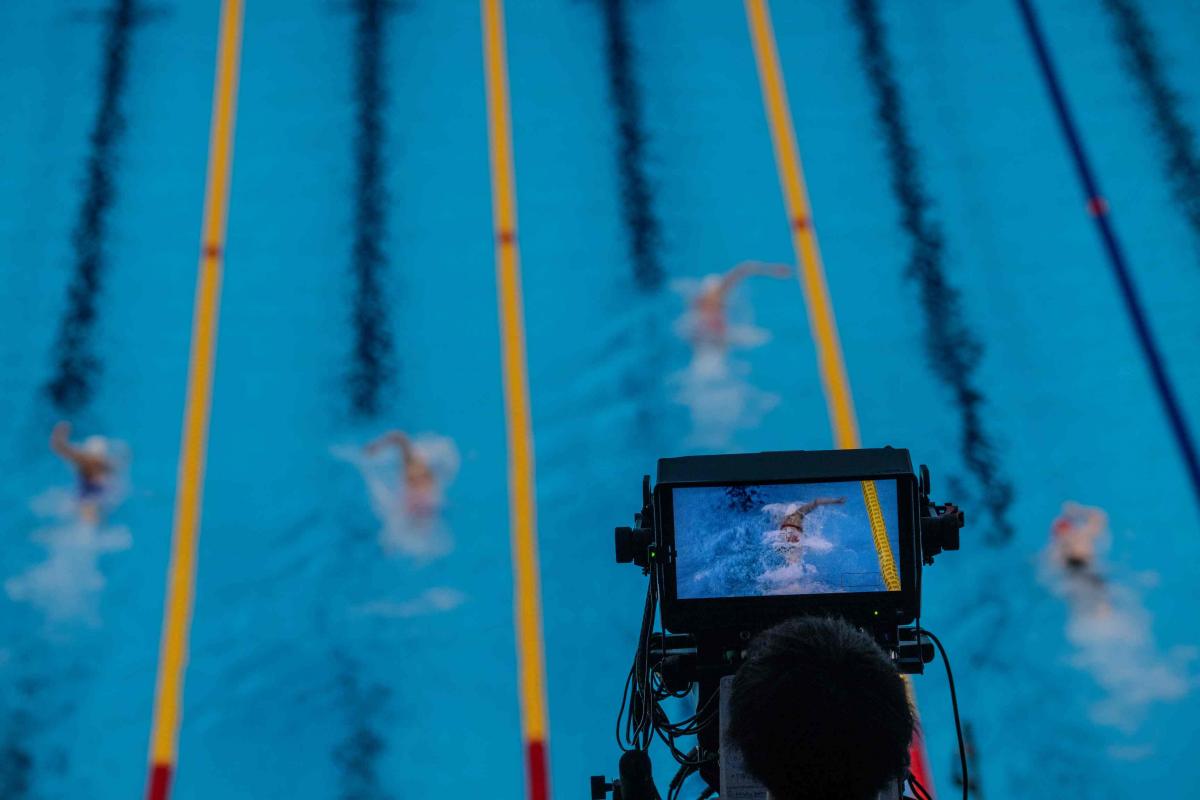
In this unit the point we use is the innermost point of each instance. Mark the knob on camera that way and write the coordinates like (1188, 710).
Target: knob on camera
(633, 545)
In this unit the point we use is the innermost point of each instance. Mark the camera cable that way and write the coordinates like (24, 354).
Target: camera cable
(962, 750)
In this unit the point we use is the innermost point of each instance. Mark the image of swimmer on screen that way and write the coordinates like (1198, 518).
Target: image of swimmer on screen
(780, 539)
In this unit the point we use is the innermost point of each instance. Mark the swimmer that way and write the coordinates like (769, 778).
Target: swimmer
(1075, 536)
(792, 528)
(93, 467)
(421, 495)
(712, 327)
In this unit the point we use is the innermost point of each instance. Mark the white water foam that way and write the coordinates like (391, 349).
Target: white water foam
(439, 599)
(714, 386)
(66, 586)
(420, 536)
(720, 399)
(1111, 632)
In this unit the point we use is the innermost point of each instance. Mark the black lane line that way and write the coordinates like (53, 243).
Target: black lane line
(357, 754)
(76, 367)
(951, 347)
(1098, 208)
(16, 762)
(373, 362)
(1181, 163)
(637, 200)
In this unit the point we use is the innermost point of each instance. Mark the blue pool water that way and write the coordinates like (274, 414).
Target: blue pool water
(323, 666)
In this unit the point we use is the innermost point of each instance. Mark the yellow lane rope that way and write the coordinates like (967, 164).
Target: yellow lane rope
(804, 238)
(812, 279)
(887, 564)
(526, 581)
(177, 612)
(834, 378)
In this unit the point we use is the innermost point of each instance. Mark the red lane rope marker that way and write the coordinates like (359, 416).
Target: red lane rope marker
(160, 782)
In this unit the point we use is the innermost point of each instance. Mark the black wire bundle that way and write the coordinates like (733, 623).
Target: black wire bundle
(641, 716)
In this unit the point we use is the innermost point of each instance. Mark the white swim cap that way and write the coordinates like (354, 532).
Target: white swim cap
(95, 446)
(710, 283)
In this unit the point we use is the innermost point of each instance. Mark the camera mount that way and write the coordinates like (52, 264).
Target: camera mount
(701, 648)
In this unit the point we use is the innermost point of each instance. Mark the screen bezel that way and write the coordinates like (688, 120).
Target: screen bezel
(691, 615)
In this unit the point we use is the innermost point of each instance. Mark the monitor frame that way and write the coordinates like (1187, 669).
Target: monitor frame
(693, 615)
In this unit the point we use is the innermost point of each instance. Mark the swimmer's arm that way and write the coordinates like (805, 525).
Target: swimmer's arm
(748, 268)
(60, 443)
(829, 501)
(394, 438)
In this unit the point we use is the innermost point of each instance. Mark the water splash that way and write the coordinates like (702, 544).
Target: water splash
(438, 599)
(66, 586)
(421, 534)
(715, 386)
(1111, 632)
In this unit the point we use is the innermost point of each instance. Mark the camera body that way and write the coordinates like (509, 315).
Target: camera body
(880, 530)
(734, 544)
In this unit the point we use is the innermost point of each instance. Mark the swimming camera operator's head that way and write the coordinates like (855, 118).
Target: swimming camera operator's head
(819, 712)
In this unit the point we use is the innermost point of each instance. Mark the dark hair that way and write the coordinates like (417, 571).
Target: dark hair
(820, 713)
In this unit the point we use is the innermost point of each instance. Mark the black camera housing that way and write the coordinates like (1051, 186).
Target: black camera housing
(923, 530)
(708, 635)
(755, 613)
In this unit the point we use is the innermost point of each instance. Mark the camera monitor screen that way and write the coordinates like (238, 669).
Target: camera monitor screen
(758, 540)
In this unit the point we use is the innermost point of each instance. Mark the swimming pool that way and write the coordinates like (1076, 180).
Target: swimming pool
(319, 665)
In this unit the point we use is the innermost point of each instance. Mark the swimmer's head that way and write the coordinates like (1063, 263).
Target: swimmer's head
(95, 446)
(710, 283)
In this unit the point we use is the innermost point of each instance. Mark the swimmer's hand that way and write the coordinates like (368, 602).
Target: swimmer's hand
(777, 270)
(60, 438)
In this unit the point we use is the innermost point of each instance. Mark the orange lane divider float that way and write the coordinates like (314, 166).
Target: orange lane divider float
(177, 613)
(834, 379)
(527, 600)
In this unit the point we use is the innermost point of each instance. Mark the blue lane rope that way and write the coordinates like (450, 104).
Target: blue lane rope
(1098, 208)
